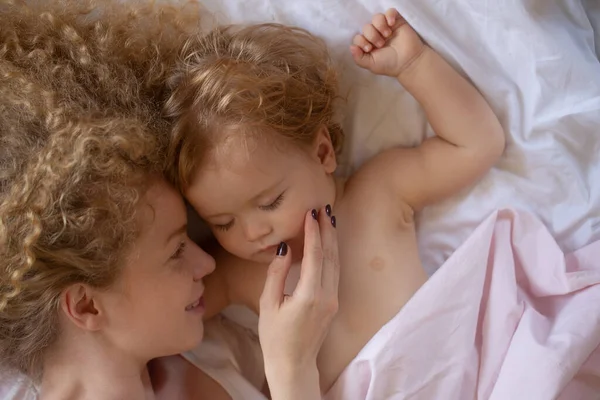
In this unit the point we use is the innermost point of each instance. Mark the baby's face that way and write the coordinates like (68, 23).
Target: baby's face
(255, 196)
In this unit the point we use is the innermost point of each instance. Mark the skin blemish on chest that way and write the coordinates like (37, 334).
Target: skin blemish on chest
(377, 264)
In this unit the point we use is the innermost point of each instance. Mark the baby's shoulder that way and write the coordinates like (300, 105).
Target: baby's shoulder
(366, 192)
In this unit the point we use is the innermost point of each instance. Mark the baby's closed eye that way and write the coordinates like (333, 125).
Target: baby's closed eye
(274, 204)
(224, 227)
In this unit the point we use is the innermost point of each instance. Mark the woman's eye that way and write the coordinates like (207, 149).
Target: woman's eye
(179, 252)
(274, 204)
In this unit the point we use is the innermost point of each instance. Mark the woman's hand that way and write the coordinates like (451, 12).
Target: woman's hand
(292, 328)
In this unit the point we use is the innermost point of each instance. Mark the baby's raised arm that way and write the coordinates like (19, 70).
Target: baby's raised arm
(469, 137)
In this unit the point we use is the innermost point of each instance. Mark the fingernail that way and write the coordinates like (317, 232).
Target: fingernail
(333, 221)
(314, 214)
(368, 48)
(328, 210)
(387, 33)
(282, 249)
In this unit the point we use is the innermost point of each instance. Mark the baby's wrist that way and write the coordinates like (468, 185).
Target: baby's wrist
(413, 64)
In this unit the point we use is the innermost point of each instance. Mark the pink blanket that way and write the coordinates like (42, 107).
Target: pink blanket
(507, 317)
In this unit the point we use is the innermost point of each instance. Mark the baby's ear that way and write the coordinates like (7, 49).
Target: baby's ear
(324, 150)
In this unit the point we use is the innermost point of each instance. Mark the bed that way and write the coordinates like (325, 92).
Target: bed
(537, 64)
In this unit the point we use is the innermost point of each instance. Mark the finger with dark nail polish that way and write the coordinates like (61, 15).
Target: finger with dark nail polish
(328, 210)
(282, 249)
(333, 221)
(314, 214)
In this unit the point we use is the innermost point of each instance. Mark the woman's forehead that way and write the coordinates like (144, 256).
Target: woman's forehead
(161, 211)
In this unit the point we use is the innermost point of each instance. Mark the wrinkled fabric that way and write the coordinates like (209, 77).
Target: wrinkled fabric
(508, 316)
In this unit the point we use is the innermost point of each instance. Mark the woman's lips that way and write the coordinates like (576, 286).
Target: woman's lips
(197, 306)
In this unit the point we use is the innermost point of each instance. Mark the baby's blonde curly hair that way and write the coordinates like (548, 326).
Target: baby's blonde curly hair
(252, 79)
(81, 91)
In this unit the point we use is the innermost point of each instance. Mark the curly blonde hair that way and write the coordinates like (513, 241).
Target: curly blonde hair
(251, 79)
(81, 90)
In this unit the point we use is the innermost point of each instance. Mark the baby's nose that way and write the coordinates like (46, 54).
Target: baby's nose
(256, 230)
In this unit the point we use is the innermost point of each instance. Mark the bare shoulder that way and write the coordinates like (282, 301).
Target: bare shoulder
(429, 173)
(370, 187)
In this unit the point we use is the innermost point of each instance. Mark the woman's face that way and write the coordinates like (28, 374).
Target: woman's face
(155, 308)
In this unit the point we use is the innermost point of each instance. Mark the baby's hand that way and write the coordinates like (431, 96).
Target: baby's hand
(387, 45)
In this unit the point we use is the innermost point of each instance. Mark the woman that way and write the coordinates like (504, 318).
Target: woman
(97, 274)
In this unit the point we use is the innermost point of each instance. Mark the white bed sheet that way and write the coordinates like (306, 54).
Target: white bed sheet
(535, 61)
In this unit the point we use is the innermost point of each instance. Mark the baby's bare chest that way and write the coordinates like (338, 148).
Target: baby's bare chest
(379, 263)
(380, 271)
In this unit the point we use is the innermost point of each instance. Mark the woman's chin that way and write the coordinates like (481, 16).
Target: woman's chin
(192, 339)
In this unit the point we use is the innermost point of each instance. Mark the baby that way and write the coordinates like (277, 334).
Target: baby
(255, 147)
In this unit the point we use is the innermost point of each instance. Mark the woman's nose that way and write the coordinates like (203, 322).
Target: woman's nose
(203, 263)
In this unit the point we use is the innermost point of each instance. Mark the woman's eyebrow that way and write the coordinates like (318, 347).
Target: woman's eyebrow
(177, 232)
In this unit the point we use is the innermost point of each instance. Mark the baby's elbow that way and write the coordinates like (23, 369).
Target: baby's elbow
(496, 144)
(491, 146)
(488, 150)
